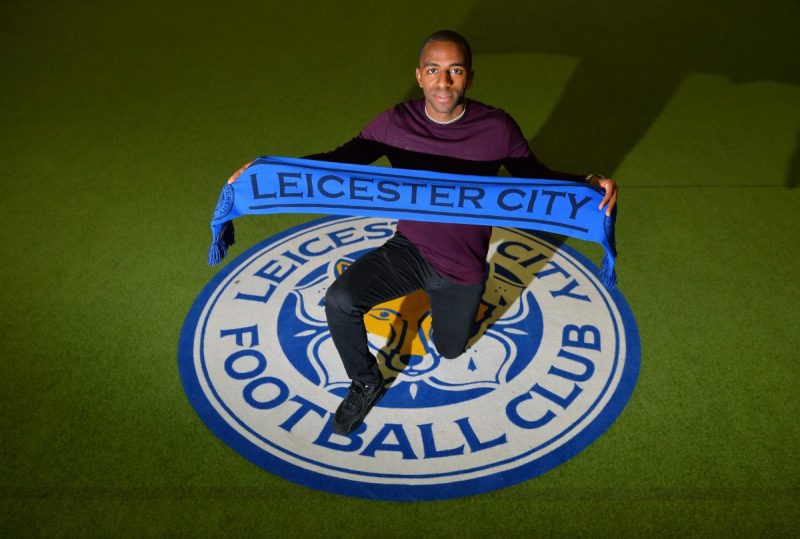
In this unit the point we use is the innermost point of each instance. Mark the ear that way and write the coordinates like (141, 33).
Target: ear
(470, 79)
(418, 73)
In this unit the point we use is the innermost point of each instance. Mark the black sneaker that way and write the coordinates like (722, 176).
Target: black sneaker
(356, 405)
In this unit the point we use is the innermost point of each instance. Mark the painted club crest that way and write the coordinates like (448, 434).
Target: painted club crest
(553, 360)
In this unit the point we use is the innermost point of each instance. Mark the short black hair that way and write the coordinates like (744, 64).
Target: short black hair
(453, 37)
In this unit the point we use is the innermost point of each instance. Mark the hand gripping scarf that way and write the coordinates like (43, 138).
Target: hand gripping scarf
(287, 185)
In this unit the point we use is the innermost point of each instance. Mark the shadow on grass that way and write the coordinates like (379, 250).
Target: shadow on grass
(632, 58)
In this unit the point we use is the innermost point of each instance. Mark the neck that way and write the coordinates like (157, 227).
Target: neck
(445, 122)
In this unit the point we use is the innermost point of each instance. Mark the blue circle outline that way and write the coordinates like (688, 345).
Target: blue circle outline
(274, 245)
(400, 492)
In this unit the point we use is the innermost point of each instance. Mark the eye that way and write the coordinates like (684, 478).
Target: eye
(380, 313)
(456, 71)
(431, 71)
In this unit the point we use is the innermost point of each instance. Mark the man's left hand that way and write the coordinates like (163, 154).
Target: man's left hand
(610, 186)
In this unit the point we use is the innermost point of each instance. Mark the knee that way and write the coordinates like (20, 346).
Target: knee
(339, 298)
(448, 341)
(450, 350)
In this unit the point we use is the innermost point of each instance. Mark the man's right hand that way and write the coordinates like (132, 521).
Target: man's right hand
(239, 172)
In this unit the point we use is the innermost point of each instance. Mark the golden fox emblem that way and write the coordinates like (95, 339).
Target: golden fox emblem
(398, 332)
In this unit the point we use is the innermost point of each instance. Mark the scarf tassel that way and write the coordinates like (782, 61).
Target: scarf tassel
(223, 238)
(607, 273)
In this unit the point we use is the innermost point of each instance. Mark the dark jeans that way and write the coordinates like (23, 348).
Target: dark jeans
(393, 270)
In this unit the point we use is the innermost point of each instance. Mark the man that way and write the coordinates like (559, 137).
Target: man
(443, 132)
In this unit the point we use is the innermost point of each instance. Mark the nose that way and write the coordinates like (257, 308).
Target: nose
(417, 365)
(445, 79)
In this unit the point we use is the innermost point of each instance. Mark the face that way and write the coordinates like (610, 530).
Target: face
(444, 78)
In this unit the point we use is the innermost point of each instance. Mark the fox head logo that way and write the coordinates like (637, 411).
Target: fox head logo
(399, 336)
(399, 333)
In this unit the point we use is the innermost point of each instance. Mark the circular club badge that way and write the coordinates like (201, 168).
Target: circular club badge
(552, 364)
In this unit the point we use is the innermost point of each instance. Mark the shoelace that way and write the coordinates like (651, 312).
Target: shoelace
(355, 397)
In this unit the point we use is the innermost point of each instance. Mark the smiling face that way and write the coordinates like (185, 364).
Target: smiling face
(444, 76)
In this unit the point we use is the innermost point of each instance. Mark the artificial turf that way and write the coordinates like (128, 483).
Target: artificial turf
(120, 122)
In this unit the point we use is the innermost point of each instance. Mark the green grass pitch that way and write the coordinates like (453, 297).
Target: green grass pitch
(119, 122)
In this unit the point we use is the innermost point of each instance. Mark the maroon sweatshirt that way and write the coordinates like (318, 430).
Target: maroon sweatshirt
(479, 143)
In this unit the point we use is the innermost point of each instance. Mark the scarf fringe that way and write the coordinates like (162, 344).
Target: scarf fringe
(608, 274)
(220, 243)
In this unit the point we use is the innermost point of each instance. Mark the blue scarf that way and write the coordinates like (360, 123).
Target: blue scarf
(287, 185)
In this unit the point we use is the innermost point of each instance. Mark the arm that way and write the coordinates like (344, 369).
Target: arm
(531, 167)
(358, 150)
(523, 163)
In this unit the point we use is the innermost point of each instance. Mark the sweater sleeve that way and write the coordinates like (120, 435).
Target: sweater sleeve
(530, 167)
(358, 151)
(365, 148)
(523, 163)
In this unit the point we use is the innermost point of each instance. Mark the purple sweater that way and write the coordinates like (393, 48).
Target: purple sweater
(479, 143)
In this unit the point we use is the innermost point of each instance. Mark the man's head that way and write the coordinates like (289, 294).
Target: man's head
(453, 37)
(445, 74)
